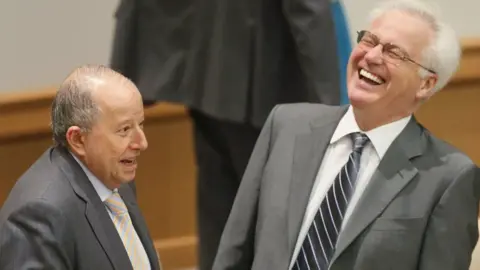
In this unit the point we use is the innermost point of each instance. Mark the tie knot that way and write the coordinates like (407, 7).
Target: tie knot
(116, 205)
(359, 141)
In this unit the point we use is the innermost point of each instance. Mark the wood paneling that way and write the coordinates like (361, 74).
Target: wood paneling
(453, 114)
(178, 253)
(166, 174)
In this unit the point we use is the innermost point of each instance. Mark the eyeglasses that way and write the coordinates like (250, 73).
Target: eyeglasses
(391, 52)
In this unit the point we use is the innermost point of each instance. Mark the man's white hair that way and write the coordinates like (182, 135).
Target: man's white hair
(444, 51)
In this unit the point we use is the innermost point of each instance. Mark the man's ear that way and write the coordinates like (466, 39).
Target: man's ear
(76, 140)
(427, 88)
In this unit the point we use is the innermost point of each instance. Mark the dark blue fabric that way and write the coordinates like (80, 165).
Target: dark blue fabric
(344, 46)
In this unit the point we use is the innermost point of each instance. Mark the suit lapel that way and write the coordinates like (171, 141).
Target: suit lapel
(140, 225)
(107, 235)
(394, 172)
(309, 150)
(95, 212)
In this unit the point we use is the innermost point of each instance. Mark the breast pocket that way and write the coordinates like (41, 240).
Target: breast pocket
(396, 224)
(392, 243)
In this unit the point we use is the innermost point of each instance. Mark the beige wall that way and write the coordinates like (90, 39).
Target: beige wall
(41, 41)
(462, 14)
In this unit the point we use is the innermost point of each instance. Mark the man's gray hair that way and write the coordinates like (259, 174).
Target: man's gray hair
(444, 51)
(73, 104)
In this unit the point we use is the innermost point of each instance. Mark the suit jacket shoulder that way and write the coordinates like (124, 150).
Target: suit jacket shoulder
(441, 155)
(305, 115)
(41, 182)
(36, 213)
(446, 152)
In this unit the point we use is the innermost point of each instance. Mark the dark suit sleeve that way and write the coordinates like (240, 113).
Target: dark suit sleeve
(313, 30)
(31, 238)
(236, 245)
(124, 38)
(452, 231)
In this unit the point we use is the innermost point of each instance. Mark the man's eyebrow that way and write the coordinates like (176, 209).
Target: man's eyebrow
(395, 46)
(377, 39)
(390, 44)
(123, 122)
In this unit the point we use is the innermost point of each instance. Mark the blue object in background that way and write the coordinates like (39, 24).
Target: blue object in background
(344, 46)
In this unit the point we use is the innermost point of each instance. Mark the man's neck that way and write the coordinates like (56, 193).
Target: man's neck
(369, 119)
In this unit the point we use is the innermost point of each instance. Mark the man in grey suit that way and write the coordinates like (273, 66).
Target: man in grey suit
(229, 62)
(363, 186)
(75, 207)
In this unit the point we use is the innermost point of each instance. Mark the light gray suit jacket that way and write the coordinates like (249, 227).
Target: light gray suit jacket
(54, 219)
(418, 212)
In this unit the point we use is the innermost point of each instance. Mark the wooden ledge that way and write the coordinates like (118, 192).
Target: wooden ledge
(28, 113)
(43, 98)
(178, 253)
(472, 43)
(469, 70)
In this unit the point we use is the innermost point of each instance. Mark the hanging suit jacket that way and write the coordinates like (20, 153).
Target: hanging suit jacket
(230, 59)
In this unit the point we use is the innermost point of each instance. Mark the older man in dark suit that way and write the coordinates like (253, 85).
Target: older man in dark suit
(363, 186)
(229, 62)
(75, 207)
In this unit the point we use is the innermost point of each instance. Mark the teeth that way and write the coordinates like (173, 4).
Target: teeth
(371, 76)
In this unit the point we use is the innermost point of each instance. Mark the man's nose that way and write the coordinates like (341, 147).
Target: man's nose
(375, 55)
(140, 141)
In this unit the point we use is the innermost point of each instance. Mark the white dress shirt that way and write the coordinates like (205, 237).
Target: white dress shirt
(336, 156)
(104, 193)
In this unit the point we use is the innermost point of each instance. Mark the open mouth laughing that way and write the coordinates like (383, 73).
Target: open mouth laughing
(370, 77)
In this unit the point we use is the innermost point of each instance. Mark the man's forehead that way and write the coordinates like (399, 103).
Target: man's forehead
(117, 98)
(123, 115)
(112, 88)
(402, 29)
(395, 23)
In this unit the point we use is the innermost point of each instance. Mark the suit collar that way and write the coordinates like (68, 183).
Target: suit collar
(412, 139)
(394, 172)
(95, 210)
(380, 137)
(102, 191)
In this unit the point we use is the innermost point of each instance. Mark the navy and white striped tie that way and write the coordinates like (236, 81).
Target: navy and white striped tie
(319, 244)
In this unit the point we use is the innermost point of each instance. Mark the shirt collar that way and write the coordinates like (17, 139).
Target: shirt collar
(102, 191)
(381, 137)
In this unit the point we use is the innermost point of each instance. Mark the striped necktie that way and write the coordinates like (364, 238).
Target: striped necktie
(127, 233)
(319, 244)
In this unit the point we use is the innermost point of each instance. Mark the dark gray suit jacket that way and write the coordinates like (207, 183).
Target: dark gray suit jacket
(419, 210)
(230, 59)
(54, 219)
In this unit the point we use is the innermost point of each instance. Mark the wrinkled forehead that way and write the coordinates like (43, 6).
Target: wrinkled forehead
(407, 31)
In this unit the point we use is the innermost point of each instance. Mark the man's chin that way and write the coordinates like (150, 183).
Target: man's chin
(128, 178)
(361, 99)
(125, 178)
